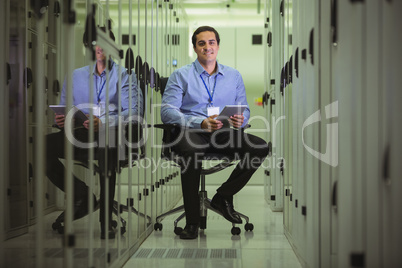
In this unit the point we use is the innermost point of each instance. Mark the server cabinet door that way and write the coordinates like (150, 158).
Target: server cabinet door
(17, 177)
(277, 110)
(373, 110)
(348, 81)
(391, 148)
(287, 109)
(328, 137)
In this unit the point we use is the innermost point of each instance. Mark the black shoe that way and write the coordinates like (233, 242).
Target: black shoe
(189, 232)
(226, 208)
(111, 232)
(81, 207)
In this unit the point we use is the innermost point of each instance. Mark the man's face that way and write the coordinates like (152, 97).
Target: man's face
(100, 56)
(206, 47)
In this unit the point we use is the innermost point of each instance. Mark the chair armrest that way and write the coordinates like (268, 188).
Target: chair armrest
(166, 152)
(167, 126)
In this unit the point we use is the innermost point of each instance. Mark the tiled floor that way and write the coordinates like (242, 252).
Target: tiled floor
(265, 247)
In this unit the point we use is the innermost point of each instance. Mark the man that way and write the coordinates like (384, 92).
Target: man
(81, 97)
(193, 97)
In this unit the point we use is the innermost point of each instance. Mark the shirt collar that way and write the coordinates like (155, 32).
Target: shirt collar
(201, 69)
(111, 63)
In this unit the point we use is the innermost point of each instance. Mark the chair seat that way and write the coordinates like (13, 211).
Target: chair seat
(225, 162)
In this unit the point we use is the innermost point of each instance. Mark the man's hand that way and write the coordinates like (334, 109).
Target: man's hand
(236, 120)
(97, 123)
(210, 124)
(60, 118)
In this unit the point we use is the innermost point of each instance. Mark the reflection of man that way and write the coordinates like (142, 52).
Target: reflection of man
(81, 97)
(193, 97)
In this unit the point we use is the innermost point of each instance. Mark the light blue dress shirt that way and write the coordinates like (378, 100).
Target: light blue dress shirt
(81, 92)
(185, 100)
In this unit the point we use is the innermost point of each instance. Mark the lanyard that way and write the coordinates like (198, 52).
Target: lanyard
(209, 93)
(99, 93)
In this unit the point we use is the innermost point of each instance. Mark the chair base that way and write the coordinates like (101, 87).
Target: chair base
(58, 225)
(205, 205)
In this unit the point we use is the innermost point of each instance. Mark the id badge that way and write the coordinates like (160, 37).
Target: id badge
(99, 109)
(212, 111)
(96, 110)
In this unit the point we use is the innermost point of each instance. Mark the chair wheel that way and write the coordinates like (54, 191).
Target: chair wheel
(114, 224)
(158, 226)
(56, 225)
(235, 231)
(249, 227)
(178, 230)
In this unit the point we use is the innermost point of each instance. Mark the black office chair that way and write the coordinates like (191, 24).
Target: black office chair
(118, 165)
(114, 166)
(169, 154)
(58, 224)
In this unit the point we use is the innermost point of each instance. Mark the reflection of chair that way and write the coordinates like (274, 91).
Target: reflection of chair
(98, 168)
(115, 165)
(168, 153)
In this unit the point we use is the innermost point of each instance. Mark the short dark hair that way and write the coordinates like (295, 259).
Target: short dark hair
(205, 29)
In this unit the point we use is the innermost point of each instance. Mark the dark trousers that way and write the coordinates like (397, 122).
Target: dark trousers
(235, 144)
(55, 170)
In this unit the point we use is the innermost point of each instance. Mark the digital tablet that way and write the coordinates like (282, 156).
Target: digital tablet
(230, 110)
(61, 109)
